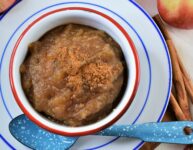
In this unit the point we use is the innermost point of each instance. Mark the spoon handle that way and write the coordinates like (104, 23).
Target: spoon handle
(168, 132)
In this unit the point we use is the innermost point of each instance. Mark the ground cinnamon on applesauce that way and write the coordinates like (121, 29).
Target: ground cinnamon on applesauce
(73, 74)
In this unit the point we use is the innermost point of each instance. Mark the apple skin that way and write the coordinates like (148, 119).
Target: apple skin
(177, 13)
(5, 4)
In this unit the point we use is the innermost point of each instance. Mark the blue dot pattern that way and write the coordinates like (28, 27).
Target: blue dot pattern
(37, 138)
(168, 132)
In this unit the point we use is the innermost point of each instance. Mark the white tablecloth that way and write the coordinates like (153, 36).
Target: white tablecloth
(183, 40)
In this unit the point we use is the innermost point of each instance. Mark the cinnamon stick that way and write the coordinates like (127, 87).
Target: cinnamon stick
(176, 108)
(173, 90)
(177, 74)
(161, 26)
(187, 81)
(178, 81)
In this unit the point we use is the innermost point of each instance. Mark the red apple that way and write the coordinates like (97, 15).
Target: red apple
(5, 4)
(178, 13)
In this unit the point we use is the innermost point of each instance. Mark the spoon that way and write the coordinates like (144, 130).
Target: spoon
(37, 138)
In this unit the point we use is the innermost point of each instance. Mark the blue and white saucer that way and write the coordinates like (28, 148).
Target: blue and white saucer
(152, 97)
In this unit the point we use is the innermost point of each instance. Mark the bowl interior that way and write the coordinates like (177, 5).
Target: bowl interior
(48, 22)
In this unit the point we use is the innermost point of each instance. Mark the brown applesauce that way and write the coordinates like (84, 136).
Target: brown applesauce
(73, 74)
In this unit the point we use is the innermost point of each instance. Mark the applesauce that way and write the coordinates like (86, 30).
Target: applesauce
(74, 74)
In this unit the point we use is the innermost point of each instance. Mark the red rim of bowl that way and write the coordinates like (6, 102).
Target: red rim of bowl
(31, 117)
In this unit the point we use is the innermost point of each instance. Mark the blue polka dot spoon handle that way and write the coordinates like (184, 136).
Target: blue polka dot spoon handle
(169, 132)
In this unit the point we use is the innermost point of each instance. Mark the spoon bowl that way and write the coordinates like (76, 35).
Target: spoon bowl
(37, 138)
